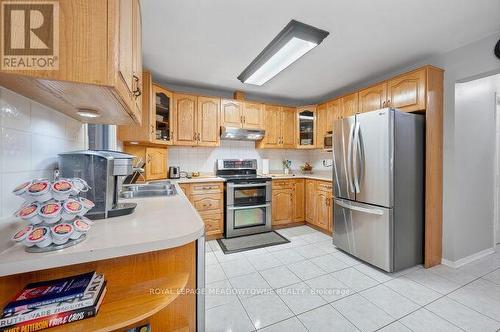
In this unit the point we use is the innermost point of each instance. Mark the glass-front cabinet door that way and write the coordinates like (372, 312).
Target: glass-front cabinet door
(306, 127)
(161, 124)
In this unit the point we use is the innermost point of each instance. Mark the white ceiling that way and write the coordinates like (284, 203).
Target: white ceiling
(208, 43)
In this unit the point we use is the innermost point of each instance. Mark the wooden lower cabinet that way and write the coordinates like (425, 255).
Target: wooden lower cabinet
(155, 159)
(324, 205)
(282, 206)
(310, 206)
(208, 199)
(299, 203)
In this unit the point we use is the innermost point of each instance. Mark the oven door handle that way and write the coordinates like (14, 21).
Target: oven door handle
(248, 207)
(247, 185)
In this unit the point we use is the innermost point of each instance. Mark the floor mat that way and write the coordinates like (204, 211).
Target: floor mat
(249, 242)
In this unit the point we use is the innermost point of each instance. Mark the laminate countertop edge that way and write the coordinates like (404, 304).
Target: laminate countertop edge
(158, 223)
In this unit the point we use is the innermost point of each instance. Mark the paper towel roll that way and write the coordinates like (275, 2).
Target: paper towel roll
(265, 166)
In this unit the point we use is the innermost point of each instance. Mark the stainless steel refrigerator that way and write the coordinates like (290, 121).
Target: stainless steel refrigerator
(378, 180)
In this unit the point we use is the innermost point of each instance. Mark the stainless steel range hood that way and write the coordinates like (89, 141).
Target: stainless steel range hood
(240, 134)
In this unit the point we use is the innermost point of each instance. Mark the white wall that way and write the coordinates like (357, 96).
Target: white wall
(475, 107)
(31, 136)
(203, 159)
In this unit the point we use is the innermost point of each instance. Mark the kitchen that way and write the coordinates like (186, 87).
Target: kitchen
(252, 190)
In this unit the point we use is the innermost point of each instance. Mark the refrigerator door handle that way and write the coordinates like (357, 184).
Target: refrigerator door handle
(355, 157)
(349, 159)
(377, 212)
(361, 157)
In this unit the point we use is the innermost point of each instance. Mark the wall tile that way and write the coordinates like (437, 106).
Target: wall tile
(14, 110)
(16, 150)
(31, 136)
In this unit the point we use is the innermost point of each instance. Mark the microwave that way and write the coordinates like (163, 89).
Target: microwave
(328, 142)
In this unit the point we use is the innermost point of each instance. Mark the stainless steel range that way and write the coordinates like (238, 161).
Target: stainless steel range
(247, 197)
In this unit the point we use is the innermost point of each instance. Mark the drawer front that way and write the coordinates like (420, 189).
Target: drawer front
(207, 202)
(213, 222)
(207, 188)
(283, 184)
(324, 186)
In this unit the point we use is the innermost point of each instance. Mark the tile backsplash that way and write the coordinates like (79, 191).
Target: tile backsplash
(203, 159)
(31, 136)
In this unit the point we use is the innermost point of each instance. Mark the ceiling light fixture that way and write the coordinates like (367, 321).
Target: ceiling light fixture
(295, 40)
(87, 113)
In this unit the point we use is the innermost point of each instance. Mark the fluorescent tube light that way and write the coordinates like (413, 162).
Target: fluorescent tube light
(295, 40)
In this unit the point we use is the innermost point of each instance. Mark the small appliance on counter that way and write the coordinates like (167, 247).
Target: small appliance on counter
(103, 170)
(174, 172)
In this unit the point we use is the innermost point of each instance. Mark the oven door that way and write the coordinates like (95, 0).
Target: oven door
(248, 219)
(240, 194)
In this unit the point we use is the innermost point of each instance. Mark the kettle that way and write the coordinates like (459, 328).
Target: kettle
(174, 172)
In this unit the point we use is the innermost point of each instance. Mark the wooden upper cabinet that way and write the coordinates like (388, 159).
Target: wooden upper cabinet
(322, 123)
(231, 113)
(157, 116)
(306, 124)
(185, 128)
(156, 163)
(99, 50)
(407, 92)
(288, 115)
(208, 121)
(137, 58)
(272, 121)
(252, 116)
(350, 105)
(126, 42)
(373, 98)
(334, 112)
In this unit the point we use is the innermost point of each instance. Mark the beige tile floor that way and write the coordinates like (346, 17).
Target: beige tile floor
(309, 285)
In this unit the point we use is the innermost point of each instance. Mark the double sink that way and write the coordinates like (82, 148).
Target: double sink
(150, 189)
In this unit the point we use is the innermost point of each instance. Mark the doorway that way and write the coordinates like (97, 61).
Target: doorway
(497, 171)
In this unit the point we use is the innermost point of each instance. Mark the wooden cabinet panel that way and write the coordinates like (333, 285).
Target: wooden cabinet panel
(126, 33)
(298, 205)
(282, 206)
(208, 121)
(252, 116)
(185, 110)
(373, 98)
(324, 209)
(306, 127)
(231, 113)
(322, 121)
(186, 189)
(288, 127)
(156, 163)
(137, 58)
(349, 105)
(407, 92)
(214, 223)
(310, 196)
(207, 188)
(272, 124)
(207, 202)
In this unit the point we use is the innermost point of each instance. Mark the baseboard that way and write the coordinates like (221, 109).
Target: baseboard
(468, 259)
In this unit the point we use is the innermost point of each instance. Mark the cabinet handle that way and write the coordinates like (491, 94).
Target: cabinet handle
(384, 103)
(152, 129)
(149, 158)
(388, 102)
(137, 92)
(199, 137)
(194, 137)
(171, 135)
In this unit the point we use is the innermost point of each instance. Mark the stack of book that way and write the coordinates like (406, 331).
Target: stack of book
(51, 303)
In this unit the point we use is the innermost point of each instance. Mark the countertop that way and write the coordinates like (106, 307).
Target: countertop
(157, 223)
(324, 176)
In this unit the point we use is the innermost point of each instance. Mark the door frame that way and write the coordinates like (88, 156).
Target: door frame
(496, 205)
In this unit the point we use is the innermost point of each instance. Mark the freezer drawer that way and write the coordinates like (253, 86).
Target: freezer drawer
(364, 231)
